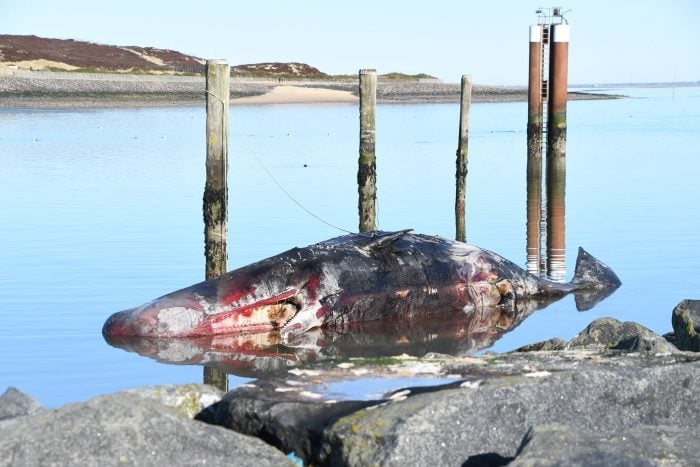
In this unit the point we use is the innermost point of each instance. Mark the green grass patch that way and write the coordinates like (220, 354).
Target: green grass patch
(405, 77)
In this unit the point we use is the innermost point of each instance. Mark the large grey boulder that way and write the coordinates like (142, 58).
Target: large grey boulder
(187, 399)
(610, 333)
(127, 429)
(686, 325)
(288, 416)
(488, 421)
(14, 405)
(642, 446)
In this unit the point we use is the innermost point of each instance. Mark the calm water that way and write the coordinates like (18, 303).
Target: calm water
(101, 211)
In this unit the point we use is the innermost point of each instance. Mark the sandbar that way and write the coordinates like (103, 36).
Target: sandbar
(298, 95)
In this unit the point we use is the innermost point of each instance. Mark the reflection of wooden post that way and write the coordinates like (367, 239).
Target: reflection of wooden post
(534, 151)
(215, 206)
(556, 213)
(367, 170)
(556, 150)
(461, 172)
(534, 211)
(216, 377)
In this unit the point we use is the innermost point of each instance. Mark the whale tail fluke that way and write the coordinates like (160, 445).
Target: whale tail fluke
(594, 281)
(590, 273)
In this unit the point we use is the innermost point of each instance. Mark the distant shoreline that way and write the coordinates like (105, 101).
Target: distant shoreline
(72, 90)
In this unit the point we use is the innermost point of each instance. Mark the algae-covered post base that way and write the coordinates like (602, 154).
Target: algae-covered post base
(461, 170)
(367, 167)
(215, 203)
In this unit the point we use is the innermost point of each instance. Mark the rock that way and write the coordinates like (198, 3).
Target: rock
(14, 405)
(486, 406)
(127, 429)
(609, 333)
(643, 445)
(670, 338)
(288, 416)
(187, 399)
(686, 325)
(544, 346)
(488, 421)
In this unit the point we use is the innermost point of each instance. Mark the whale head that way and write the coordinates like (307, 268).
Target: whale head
(279, 295)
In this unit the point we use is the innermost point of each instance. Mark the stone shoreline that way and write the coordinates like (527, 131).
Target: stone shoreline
(42, 90)
(616, 394)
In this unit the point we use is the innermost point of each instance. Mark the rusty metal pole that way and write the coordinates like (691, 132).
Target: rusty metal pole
(215, 202)
(534, 151)
(461, 171)
(556, 150)
(367, 166)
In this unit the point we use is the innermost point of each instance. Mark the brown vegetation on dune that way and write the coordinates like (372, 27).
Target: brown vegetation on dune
(291, 69)
(89, 55)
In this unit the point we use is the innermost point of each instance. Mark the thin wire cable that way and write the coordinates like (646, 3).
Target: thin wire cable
(279, 185)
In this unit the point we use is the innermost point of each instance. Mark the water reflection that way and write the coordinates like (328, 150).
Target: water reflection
(556, 214)
(534, 211)
(453, 332)
(216, 378)
(546, 216)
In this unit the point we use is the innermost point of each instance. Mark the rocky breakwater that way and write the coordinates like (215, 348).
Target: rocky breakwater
(616, 394)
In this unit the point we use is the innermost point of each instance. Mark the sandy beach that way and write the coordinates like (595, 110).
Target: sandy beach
(298, 95)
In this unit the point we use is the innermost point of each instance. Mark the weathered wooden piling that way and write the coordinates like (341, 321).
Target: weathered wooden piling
(215, 202)
(367, 167)
(556, 150)
(534, 151)
(462, 153)
(216, 188)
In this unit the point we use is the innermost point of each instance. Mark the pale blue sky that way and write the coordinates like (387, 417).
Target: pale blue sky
(611, 41)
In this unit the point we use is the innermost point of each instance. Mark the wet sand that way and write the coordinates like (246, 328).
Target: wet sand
(298, 95)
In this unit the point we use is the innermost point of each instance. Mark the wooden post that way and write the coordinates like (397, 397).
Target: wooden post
(461, 172)
(215, 203)
(556, 151)
(534, 151)
(367, 167)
